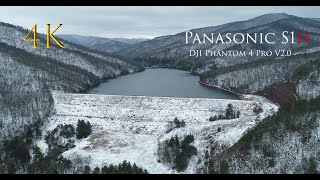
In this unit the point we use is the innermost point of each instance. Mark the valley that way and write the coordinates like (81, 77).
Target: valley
(102, 106)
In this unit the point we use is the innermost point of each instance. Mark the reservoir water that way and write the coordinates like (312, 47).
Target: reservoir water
(160, 82)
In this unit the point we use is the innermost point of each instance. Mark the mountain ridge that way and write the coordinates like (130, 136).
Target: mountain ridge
(284, 142)
(108, 45)
(174, 47)
(40, 70)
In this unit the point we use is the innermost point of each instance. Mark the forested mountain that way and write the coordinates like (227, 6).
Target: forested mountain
(108, 45)
(318, 19)
(130, 41)
(287, 142)
(284, 143)
(247, 74)
(27, 75)
(173, 51)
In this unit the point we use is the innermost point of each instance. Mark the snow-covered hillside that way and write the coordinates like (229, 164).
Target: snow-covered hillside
(108, 45)
(175, 49)
(258, 76)
(131, 127)
(308, 83)
(28, 74)
(287, 143)
(99, 65)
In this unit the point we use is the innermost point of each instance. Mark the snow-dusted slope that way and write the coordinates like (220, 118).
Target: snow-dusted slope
(131, 127)
(281, 144)
(308, 84)
(174, 47)
(257, 77)
(96, 43)
(100, 65)
(108, 45)
(27, 74)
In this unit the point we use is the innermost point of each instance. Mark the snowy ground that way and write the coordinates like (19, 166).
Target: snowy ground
(130, 127)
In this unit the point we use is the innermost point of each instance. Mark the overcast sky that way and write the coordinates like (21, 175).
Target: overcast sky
(138, 22)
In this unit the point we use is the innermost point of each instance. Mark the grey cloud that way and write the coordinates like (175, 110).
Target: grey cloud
(138, 21)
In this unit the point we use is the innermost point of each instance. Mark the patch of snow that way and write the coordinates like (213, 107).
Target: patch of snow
(42, 145)
(131, 127)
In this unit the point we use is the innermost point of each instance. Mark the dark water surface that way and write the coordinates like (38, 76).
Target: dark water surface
(160, 82)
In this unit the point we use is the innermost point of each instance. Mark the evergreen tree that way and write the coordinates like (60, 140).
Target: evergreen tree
(181, 162)
(68, 131)
(135, 169)
(221, 117)
(213, 118)
(187, 140)
(182, 123)
(176, 141)
(206, 156)
(230, 112)
(224, 167)
(238, 114)
(87, 169)
(12, 169)
(104, 170)
(179, 152)
(37, 154)
(112, 168)
(171, 142)
(311, 166)
(17, 150)
(123, 168)
(83, 129)
(178, 123)
(38, 131)
(29, 135)
(96, 170)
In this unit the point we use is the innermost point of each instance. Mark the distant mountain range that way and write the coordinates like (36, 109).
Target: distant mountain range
(108, 45)
(317, 19)
(281, 143)
(287, 142)
(174, 46)
(131, 41)
(245, 74)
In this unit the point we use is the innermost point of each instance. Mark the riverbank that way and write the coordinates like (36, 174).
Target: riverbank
(221, 88)
(86, 90)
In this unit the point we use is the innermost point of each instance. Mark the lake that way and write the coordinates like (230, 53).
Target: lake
(160, 82)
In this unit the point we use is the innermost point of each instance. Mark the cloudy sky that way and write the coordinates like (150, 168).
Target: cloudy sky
(138, 22)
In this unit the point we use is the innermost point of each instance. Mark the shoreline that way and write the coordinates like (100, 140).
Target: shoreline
(104, 80)
(221, 88)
